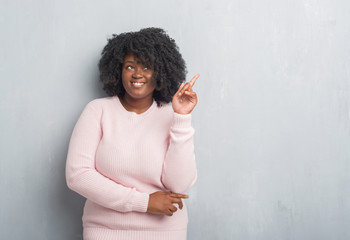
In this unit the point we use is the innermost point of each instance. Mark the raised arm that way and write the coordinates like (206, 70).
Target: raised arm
(82, 176)
(179, 171)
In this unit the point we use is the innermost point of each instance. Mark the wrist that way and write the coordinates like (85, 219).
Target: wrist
(182, 120)
(182, 112)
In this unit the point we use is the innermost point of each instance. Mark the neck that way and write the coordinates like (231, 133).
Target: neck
(136, 105)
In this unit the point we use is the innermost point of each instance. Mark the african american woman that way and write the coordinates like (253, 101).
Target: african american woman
(131, 154)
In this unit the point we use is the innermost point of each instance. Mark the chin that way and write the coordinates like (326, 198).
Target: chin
(138, 96)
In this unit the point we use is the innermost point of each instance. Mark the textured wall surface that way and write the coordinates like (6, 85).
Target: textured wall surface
(272, 123)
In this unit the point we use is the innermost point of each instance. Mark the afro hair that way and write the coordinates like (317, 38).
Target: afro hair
(154, 48)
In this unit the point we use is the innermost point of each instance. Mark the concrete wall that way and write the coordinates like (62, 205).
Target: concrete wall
(272, 123)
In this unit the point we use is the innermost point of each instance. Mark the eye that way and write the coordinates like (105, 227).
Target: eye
(129, 67)
(147, 68)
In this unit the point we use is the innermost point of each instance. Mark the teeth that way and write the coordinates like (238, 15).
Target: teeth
(137, 83)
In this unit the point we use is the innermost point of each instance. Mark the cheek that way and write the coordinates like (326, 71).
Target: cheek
(124, 78)
(124, 73)
(150, 77)
(153, 83)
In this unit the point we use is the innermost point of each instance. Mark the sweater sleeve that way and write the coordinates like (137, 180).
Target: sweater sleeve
(179, 169)
(81, 174)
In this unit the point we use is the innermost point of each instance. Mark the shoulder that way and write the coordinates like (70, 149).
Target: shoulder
(98, 106)
(176, 120)
(165, 109)
(100, 103)
(163, 114)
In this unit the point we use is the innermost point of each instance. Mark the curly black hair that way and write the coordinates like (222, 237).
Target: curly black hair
(154, 48)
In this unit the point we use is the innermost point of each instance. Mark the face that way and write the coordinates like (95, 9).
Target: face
(137, 79)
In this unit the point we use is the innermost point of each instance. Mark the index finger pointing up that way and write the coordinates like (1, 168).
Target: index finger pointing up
(193, 80)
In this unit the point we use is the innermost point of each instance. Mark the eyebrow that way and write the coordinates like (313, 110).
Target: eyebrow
(133, 62)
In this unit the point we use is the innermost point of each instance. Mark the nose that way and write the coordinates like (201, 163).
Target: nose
(138, 73)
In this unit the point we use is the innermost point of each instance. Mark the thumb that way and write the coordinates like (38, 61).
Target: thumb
(181, 86)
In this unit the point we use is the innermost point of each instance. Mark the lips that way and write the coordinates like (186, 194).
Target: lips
(138, 84)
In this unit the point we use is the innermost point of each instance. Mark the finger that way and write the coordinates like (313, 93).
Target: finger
(169, 213)
(178, 201)
(178, 90)
(189, 84)
(172, 208)
(181, 205)
(187, 87)
(193, 80)
(191, 94)
(179, 195)
(184, 87)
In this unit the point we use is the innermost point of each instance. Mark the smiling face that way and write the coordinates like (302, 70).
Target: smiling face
(137, 79)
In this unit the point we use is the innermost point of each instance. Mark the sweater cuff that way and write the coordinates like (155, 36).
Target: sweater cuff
(182, 120)
(140, 202)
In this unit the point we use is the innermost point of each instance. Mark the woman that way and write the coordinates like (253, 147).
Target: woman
(131, 154)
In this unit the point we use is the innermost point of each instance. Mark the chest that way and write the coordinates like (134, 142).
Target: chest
(132, 151)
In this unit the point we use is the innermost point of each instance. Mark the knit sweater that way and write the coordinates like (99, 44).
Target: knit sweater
(117, 158)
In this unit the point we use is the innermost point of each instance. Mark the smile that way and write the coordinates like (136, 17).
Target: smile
(138, 84)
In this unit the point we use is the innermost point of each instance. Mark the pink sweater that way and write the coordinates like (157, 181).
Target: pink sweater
(117, 158)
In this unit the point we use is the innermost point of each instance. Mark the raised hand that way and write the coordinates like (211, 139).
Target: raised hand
(163, 202)
(185, 99)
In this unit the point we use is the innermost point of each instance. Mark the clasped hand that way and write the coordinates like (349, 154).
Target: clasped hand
(163, 202)
(185, 99)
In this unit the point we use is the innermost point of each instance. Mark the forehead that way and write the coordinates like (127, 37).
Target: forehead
(132, 58)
